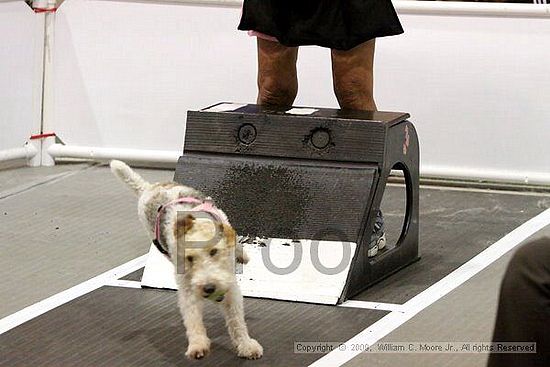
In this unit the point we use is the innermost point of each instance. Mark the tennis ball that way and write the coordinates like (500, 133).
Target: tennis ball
(217, 296)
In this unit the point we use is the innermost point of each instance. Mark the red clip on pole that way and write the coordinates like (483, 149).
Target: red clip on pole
(45, 10)
(41, 136)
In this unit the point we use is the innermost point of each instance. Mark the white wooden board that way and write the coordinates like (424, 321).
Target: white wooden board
(265, 276)
(159, 271)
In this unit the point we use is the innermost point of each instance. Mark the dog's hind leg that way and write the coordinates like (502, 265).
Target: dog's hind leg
(191, 310)
(240, 254)
(236, 326)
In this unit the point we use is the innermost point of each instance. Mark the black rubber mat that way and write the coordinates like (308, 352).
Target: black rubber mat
(136, 275)
(454, 227)
(137, 327)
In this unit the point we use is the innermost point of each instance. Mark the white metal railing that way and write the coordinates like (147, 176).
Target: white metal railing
(102, 154)
(26, 152)
(538, 9)
(473, 9)
(162, 157)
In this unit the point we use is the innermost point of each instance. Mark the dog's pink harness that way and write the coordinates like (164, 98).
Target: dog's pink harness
(206, 206)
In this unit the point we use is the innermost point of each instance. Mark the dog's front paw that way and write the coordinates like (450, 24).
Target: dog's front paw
(250, 349)
(198, 350)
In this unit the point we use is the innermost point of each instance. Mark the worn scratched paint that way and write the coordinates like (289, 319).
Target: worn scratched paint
(284, 194)
(283, 199)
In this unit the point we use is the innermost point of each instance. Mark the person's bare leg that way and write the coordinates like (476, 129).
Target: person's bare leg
(353, 79)
(277, 78)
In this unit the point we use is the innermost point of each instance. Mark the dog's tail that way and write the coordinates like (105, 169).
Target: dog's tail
(129, 176)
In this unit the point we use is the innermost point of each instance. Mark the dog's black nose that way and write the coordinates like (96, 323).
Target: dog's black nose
(209, 288)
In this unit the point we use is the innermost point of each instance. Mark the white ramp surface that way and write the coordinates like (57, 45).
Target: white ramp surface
(302, 271)
(159, 271)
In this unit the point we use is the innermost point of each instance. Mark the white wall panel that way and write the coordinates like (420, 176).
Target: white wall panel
(477, 87)
(126, 73)
(20, 59)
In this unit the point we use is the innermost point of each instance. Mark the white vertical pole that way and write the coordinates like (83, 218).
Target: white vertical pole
(48, 117)
(44, 85)
(38, 85)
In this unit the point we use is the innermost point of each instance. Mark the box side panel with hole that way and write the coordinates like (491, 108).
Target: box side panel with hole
(402, 153)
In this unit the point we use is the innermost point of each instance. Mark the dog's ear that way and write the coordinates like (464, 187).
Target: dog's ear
(184, 224)
(229, 235)
(188, 222)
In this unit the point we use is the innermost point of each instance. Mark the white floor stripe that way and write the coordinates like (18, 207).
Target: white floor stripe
(373, 305)
(124, 283)
(390, 322)
(30, 312)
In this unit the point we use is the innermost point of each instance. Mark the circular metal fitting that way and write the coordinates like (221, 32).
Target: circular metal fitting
(320, 139)
(247, 134)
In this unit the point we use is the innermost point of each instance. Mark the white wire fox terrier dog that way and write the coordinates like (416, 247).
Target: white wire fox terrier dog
(203, 247)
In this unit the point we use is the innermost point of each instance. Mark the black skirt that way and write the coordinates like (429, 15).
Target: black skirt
(337, 24)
